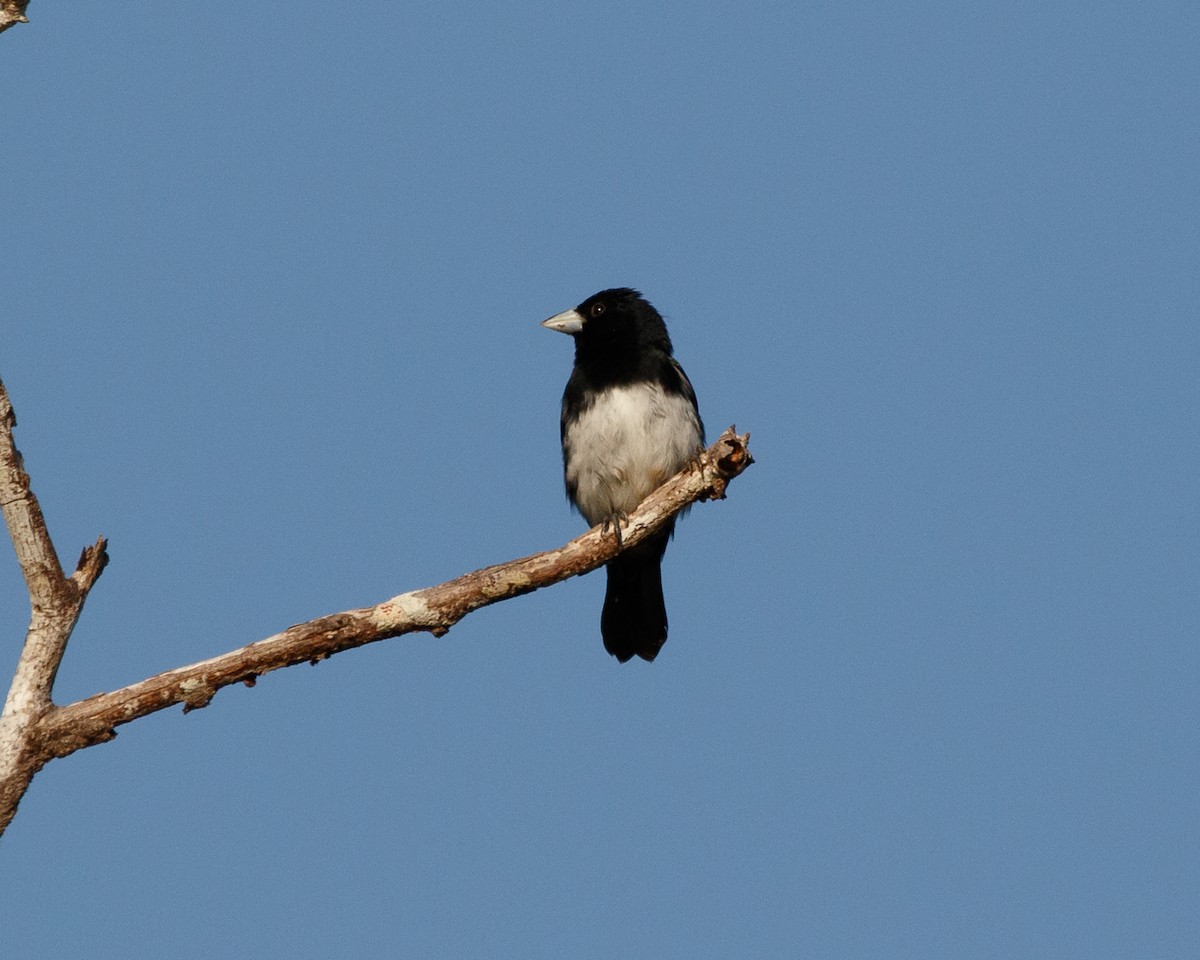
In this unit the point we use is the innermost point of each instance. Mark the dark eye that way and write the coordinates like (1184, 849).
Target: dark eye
(597, 309)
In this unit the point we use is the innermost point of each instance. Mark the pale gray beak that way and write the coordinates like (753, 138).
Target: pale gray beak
(569, 321)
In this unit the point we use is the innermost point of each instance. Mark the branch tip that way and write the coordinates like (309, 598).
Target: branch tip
(94, 555)
(12, 12)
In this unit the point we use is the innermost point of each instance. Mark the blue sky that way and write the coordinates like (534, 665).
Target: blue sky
(270, 324)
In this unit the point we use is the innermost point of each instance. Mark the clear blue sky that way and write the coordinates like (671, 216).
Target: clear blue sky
(272, 282)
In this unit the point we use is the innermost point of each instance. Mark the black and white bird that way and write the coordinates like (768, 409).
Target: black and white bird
(629, 421)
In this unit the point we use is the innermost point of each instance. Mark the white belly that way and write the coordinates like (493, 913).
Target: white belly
(624, 445)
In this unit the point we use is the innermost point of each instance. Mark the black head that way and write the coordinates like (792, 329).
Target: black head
(612, 323)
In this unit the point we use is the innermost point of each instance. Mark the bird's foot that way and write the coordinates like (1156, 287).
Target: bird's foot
(614, 521)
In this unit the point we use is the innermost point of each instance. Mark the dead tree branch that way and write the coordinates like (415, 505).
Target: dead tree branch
(12, 12)
(55, 604)
(33, 730)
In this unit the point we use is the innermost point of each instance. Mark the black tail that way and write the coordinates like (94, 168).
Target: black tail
(634, 620)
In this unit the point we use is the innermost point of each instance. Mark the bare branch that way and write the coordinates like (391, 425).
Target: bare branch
(33, 731)
(23, 514)
(12, 12)
(64, 730)
(55, 600)
(55, 604)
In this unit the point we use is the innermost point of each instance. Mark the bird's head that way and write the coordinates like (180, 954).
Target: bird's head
(620, 318)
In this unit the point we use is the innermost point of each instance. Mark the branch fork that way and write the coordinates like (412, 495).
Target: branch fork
(33, 730)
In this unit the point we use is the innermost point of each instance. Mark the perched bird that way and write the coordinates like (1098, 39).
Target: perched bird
(629, 421)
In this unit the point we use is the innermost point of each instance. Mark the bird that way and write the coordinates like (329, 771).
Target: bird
(629, 421)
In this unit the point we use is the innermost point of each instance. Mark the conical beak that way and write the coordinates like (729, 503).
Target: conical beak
(569, 321)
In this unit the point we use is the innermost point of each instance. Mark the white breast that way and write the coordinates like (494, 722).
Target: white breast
(624, 445)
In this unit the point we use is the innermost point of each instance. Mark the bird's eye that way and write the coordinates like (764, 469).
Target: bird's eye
(597, 309)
